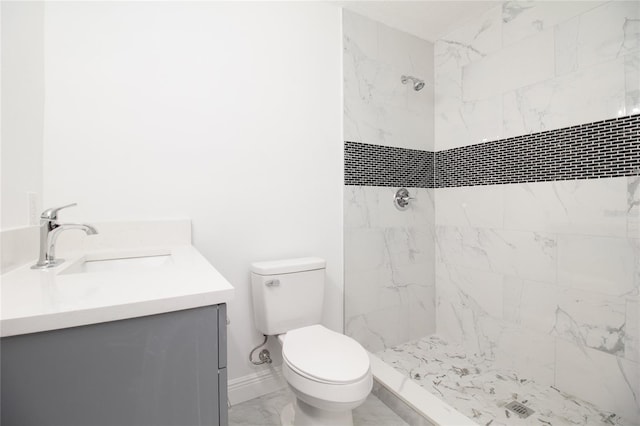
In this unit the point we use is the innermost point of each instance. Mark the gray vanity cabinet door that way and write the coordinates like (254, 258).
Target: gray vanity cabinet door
(154, 370)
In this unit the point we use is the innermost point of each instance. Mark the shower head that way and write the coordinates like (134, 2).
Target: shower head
(417, 83)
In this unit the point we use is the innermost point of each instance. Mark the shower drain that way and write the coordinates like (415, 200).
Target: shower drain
(520, 409)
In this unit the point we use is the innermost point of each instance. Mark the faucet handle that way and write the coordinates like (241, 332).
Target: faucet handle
(52, 213)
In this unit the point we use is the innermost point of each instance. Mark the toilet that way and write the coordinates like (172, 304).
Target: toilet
(328, 372)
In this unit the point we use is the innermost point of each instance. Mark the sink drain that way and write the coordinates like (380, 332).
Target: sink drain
(520, 409)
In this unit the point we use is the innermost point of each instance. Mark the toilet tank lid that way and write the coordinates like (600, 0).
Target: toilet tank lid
(287, 266)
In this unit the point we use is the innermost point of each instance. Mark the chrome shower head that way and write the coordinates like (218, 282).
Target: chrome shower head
(417, 83)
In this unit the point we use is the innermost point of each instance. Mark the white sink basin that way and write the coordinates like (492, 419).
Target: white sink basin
(119, 264)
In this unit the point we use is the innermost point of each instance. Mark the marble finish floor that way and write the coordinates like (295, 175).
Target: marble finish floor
(479, 390)
(265, 411)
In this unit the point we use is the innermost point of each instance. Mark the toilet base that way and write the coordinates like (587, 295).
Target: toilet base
(299, 413)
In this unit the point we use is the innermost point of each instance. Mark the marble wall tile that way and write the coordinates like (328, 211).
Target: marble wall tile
(632, 329)
(583, 318)
(601, 34)
(449, 321)
(370, 290)
(466, 247)
(590, 94)
(404, 51)
(597, 264)
(365, 115)
(587, 207)
(361, 43)
(478, 37)
(532, 355)
(542, 277)
(389, 264)
(529, 304)
(523, 19)
(367, 291)
(464, 310)
(523, 254)
(632, 83)
(365, 249)
(378, 108)
(469, 310)
(422, 319)
(601, 378)
(407, 254)
(633, 207)
(360, 34)
(358, 207)
(461, 320)
(420, 212)
(460, 123)
(408, 246)
(529, 62)
(583, 50)
(408, 275)
(582, 291)
(380, 329)
(476, 206)
(478, 290)
(591, 320)
(449, 60)
(373, 207)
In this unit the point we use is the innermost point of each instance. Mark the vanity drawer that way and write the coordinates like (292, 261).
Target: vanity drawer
(153, 370)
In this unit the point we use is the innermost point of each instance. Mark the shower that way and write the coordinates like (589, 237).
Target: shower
(417, 83)
(475, 306)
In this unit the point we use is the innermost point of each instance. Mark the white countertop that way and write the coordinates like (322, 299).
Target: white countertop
(41, 300)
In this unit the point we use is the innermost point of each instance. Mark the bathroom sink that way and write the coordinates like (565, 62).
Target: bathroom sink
(119, 264)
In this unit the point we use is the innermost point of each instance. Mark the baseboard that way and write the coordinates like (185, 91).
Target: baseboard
(255, 385)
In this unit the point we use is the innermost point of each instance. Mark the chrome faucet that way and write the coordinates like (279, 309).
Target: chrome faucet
(49, 231)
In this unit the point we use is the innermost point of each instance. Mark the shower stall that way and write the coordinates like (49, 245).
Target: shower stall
(509, 285)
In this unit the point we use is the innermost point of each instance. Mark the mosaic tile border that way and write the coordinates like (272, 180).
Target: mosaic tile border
(607, 148)
(377, 165)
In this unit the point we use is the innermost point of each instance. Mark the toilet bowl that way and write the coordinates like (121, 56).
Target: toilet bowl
(329, 374)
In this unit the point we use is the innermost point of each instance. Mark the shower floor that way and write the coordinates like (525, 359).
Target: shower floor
(479, 390)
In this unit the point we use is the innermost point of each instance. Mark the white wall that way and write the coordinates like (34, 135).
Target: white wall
(22, 110)
(229, 114)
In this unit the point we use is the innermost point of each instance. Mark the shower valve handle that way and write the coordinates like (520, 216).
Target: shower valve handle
(401, 199)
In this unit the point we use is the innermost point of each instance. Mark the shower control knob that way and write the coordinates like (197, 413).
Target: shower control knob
(401, 199)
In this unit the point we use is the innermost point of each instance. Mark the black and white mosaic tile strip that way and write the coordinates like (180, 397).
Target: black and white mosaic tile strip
(608, 148)
(377, 165)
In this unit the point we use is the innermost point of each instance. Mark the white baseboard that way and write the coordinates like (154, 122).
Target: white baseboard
(255, 385)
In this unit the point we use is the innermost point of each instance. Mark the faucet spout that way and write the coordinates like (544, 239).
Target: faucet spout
(57, 230)
(88, 229)
(50, 229)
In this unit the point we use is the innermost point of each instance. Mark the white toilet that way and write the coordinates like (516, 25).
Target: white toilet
(328, 372)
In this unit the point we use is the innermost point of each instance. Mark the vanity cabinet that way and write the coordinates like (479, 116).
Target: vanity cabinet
(165, 369)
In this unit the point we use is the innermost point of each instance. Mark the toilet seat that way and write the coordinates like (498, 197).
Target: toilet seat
(324, 356)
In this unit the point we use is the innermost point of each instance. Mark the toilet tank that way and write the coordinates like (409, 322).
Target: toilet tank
(287, 294)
